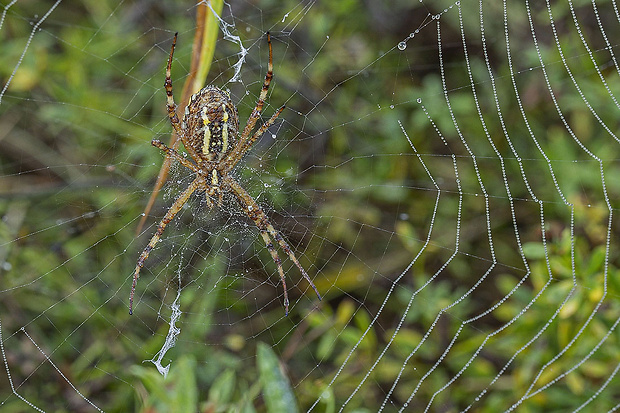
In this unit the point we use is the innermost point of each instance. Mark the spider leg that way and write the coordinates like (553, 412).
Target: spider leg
(240, 150)
(174, 120)
(278, 261)
(214, 189)
(261, 99)
(261, 130)
(172, 212)
(284, 245)
(171, 106)
(254, 211)
(174, 154)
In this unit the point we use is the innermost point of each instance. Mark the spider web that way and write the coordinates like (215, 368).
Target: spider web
(446, 172)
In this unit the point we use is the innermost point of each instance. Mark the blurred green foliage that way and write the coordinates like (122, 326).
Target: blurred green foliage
(76, 169)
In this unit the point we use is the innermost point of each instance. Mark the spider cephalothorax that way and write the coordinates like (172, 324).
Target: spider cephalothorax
(210, 134)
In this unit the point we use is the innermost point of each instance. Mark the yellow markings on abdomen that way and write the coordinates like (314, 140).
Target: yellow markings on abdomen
(224, 132)
(206, 143)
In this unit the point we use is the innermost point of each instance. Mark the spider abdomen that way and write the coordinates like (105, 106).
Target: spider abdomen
(211, 123)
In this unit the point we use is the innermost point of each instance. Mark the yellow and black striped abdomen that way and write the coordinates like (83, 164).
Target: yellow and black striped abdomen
(211, 123)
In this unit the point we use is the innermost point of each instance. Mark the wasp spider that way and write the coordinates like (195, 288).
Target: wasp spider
(210, 134)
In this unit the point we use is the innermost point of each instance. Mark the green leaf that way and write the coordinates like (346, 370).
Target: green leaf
(223, 387)
(185, 393)
(534, 250)
(177, 392)
(277, 391)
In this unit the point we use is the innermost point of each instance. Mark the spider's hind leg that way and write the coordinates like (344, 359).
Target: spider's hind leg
(284, 245)
(278, 261)
(254, 211)
(172, 212)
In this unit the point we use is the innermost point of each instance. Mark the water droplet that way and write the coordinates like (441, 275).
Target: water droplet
(419, 100)
(402, 46)
(391, 106)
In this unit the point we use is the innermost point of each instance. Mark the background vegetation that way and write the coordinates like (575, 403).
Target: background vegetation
(342, 183)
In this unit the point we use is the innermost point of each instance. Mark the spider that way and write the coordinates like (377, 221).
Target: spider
(209, 132)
